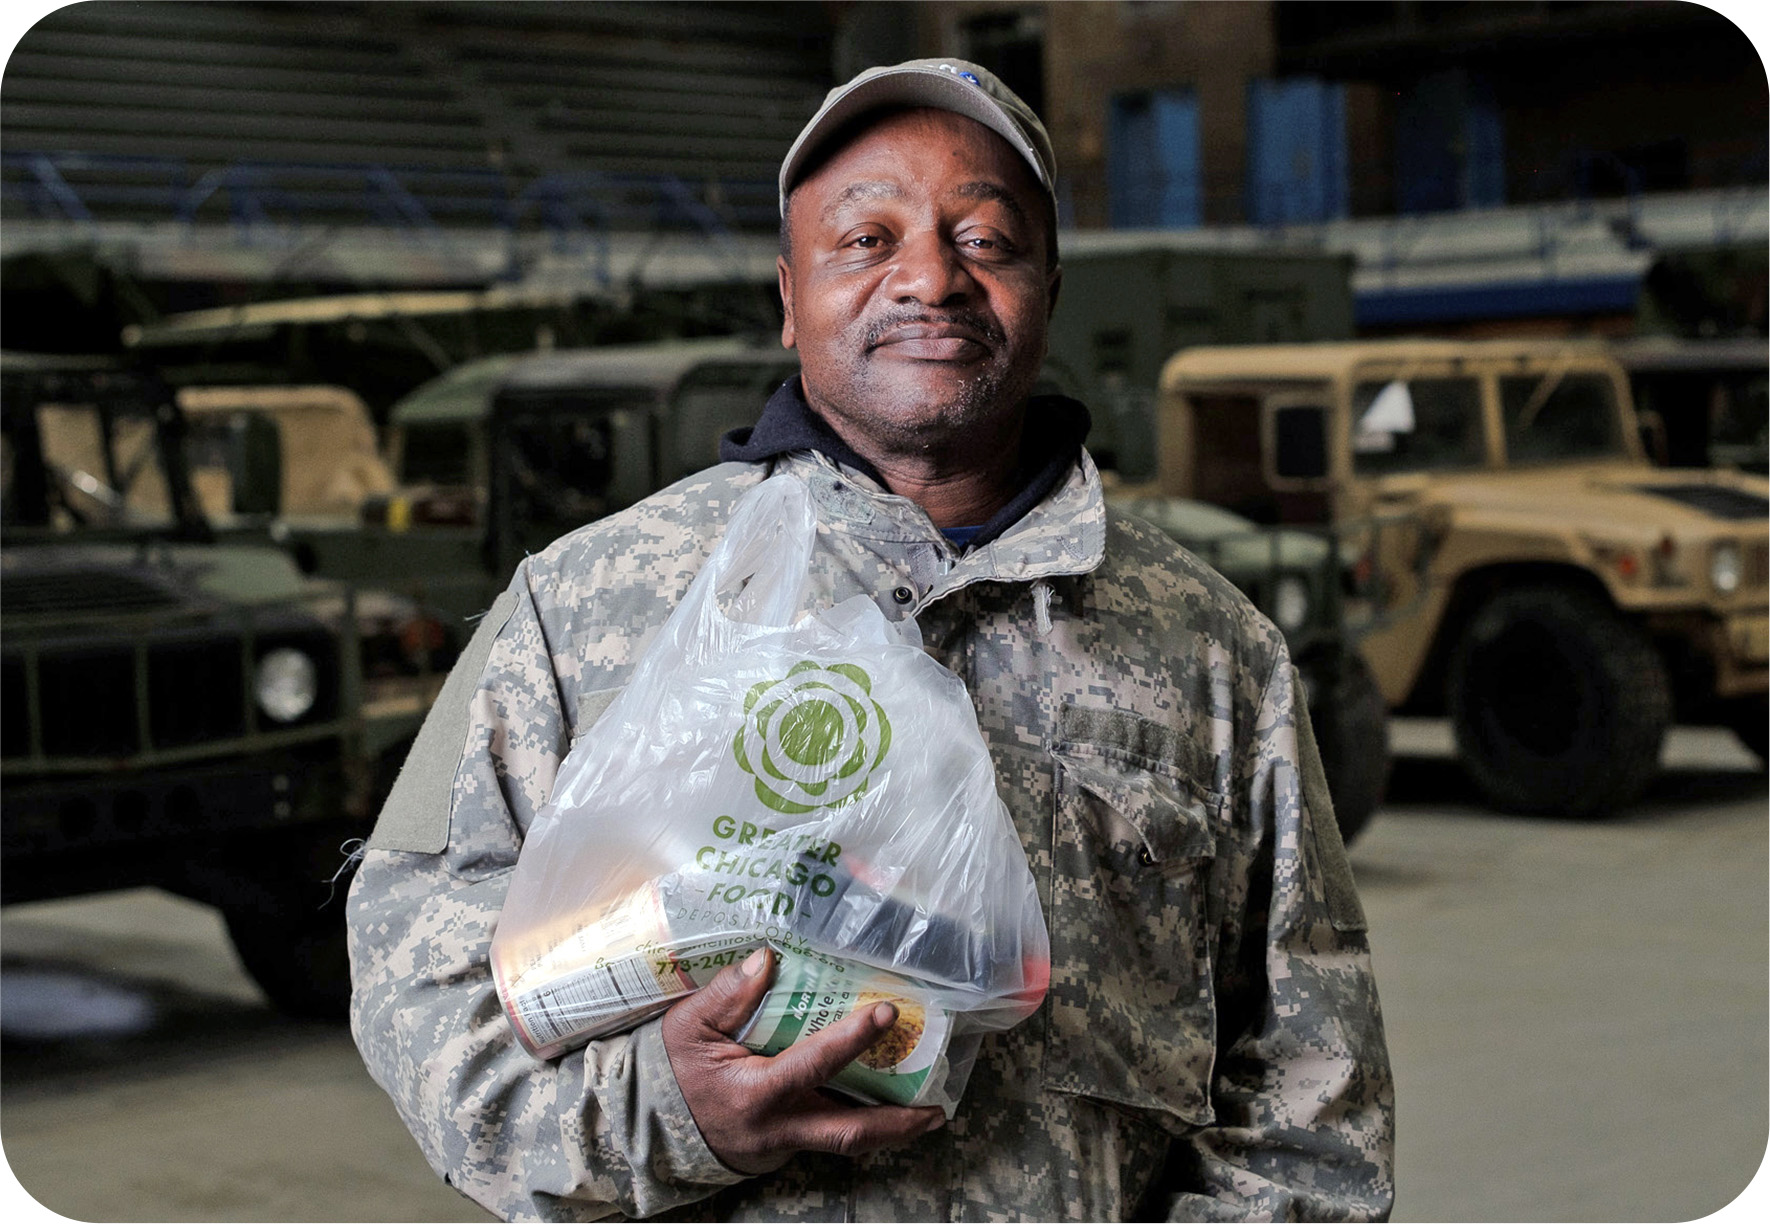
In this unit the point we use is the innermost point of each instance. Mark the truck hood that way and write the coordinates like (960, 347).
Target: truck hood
(60, 579)
(1613, 499)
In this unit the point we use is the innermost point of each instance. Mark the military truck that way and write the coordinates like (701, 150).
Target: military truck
(1701, 402)
(502, 455)
(1131, 298)
(179, 712)
(329, 449)
(1558, 596)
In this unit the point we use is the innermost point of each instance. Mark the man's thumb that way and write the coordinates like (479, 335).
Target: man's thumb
(730, 999)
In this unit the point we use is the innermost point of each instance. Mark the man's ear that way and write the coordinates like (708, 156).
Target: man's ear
(786, 282)
(1053, 283)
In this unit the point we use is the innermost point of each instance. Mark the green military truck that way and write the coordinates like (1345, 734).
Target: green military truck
(1702, 402)
(502, 455)
(178, 712)
(1562, 599)
(1130, 299)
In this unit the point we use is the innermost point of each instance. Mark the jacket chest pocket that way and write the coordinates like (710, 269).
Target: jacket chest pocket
(1132, 1014)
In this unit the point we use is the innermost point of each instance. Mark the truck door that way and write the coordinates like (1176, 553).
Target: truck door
(560, 462)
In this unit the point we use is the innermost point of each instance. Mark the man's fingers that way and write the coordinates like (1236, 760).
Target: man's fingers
(728, 1001)
(850, 1130)
(754, 1112)
(813, 1061)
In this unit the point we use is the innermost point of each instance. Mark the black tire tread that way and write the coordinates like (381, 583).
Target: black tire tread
(1639, 708)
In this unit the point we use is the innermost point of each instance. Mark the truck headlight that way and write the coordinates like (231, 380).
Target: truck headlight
(1290, 603)
(288, 684)
(1725, 570)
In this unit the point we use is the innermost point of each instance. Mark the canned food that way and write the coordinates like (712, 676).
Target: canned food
(608, 974)
(906, 1066)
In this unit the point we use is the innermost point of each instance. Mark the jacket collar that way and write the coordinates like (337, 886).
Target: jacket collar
(1063, 535)
(1052, 460)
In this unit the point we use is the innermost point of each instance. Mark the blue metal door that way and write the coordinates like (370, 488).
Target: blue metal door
(1449, 144)
(1296, 151)
(1153, 176)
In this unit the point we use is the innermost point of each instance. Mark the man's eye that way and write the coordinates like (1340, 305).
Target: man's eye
(866, 242)
(988, 242)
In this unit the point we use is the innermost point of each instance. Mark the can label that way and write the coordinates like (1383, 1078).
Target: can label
(608, 974)
(906, 1066)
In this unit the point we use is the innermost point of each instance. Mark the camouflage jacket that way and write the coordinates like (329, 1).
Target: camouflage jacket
(1211, 1047)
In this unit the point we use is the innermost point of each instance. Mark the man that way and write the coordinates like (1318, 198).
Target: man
(1211, 1046)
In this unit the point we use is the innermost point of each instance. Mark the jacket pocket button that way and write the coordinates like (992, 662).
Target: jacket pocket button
(903, 595)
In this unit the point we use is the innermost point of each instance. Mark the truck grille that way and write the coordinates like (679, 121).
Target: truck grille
(88, 703)
(84, 591)
(196, 694)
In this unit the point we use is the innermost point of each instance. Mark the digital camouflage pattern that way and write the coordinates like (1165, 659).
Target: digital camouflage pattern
(1212, 1046)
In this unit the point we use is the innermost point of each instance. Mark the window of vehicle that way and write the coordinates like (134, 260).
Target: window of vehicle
(560, 465)
(1416, 425)
(1559, 416)
(103, 468)
(435, 454)
(1226, 455)
(571, 458)
(1739, 412)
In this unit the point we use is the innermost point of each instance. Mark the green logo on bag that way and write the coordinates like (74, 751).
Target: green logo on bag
(812, 740)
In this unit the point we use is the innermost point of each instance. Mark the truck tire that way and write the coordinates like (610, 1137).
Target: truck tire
(1351, 724)
(1558, 704)
(292, 943)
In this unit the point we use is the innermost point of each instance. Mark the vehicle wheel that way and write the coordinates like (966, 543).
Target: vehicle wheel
(1749, 719)
(1558, 704)
(1351, 724)
(292, 943)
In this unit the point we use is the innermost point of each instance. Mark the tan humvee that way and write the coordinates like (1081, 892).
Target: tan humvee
(1558, 596)
(330, 457)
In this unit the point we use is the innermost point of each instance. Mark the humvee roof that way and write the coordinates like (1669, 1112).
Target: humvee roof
(654, 366)
(1337, 359)
(462, 394)
(465, 393)
(1642, 354)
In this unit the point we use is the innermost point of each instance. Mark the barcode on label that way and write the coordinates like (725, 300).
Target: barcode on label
(574, 1004)
(634, 982)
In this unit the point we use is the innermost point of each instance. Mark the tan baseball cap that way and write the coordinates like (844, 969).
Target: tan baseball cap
(944, 84)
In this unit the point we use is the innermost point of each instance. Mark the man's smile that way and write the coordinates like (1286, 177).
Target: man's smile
(930, 340)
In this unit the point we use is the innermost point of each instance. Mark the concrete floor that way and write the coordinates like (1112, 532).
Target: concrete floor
(1577, 1013)
(1577, 1017)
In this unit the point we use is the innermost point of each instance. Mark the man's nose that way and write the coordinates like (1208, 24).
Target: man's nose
(929, 270)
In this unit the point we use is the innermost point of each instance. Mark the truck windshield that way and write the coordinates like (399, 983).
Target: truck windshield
(89, 469)
(1558, 416)
(436, 454)
(1416, 425)
(560, 458)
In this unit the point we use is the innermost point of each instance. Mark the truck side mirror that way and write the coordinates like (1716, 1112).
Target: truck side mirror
(255, 464)
(1299, 442)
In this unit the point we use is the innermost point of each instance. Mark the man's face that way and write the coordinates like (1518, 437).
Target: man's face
(918, 293)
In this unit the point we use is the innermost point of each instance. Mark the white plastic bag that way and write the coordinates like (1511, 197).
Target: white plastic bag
(813, 782)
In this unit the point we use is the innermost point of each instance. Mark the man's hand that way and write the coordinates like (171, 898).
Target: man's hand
(755, 1112)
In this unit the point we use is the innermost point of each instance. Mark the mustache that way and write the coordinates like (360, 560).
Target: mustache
(976, 322)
